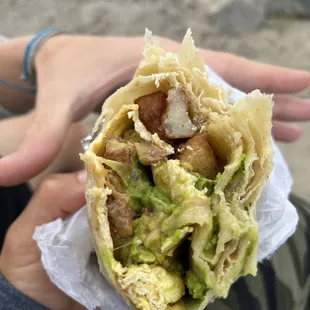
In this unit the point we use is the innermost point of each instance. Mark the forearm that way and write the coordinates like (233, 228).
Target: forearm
(11, 57)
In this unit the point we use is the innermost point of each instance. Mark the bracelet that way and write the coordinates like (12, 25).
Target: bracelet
(31, 50)
(17, 87)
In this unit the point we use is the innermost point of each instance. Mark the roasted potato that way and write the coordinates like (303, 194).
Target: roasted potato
(152, 108)
(197, 155)
(166, 116)
(177, 123)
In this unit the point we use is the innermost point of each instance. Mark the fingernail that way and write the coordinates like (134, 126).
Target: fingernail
(82, 176)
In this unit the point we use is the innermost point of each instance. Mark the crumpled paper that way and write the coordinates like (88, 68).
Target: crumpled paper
(68, 255)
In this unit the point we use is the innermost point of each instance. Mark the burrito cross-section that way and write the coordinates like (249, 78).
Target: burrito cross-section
(174, 175)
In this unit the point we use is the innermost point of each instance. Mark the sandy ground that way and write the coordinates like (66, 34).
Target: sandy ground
(279, 41)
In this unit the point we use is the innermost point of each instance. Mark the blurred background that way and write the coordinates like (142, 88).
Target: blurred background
(272, 31)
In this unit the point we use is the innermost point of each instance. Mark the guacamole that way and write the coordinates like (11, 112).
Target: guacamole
(196, 286)
(237, 179)
(171, 218)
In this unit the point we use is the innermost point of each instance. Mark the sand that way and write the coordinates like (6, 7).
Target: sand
(283, 41)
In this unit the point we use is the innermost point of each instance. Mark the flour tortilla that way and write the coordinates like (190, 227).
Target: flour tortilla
(233, 131)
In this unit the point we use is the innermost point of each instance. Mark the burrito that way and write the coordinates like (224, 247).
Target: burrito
(174, 174)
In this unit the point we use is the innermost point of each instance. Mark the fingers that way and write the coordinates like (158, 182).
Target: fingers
(288, 108)
(248, 75)
(58, 196)
(39, 148)
(285, 132)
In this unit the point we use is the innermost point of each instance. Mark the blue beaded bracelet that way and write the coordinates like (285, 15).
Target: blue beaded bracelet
(17, 87)
(32, 47)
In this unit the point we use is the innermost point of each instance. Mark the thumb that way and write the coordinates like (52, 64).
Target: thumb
(57, 197)
(40, 147)
(20, 260)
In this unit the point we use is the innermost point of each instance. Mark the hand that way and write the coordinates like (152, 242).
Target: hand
(76, 73)
(20, 260)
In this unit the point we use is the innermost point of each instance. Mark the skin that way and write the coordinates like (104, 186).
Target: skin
(12, 133)
(71, 84)
(20, 262)
(65, 96)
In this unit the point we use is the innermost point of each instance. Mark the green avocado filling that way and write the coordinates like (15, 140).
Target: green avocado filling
(210, 246)
(139, 188)
(204, 184)
(150, 205)
(195, 285)
(237, 179)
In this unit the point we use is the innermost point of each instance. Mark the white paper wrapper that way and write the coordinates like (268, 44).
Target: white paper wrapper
(68, 255)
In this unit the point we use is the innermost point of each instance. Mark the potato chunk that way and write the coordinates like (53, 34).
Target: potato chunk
(152, 108)
(166, 116)
(177, 122)
(197, 155)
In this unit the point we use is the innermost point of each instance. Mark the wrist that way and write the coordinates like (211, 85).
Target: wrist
(13, 51)
(11, 59)
(31, 51)
(15, 48)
